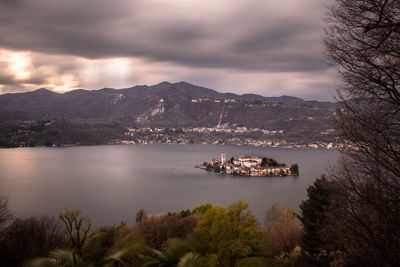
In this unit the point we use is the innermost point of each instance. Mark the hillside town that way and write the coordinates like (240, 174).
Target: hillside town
(249, 166)
(228, 135)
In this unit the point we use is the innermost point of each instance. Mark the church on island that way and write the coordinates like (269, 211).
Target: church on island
(250, 166)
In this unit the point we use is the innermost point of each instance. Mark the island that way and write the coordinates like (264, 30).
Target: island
(249, 166)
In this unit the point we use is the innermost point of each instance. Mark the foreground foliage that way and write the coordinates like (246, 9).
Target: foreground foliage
(208, 235)
(230, 233)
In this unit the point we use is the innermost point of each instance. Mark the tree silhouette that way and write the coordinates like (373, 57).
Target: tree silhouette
(78, 230)
(362, 40)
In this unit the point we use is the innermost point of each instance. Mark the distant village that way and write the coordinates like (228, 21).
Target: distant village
(249, 166)
(223, 134)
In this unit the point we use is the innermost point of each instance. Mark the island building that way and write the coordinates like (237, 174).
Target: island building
(223, 157)
(250, 161)
(246, 166)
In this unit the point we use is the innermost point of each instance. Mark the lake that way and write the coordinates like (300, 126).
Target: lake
(111, 183)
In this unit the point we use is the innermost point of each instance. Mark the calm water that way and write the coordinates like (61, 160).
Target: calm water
(111, 183)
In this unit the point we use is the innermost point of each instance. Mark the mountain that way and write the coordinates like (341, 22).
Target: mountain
(284, 98)
(166, 104)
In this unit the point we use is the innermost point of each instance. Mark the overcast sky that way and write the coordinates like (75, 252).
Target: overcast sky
(241, 46)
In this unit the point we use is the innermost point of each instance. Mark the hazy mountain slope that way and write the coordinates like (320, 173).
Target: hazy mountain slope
(167, 104)
(37, 101)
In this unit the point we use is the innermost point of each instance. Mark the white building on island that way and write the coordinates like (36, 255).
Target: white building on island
(223, 158)
(250, 161)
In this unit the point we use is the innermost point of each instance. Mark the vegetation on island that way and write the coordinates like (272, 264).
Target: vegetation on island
(294, 169)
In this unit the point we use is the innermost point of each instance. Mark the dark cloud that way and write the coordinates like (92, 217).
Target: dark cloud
(10, 3)
(248, 37)
(7, 80)
(266, 47)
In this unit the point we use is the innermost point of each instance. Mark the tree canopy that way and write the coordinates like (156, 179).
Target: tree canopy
(230, 233)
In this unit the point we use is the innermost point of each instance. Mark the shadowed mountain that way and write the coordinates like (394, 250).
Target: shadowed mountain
(166, 104)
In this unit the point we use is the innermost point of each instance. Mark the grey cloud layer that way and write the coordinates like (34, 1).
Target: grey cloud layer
(249, 35)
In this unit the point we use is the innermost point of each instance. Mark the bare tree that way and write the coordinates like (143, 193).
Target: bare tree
(78, 229)
(5, 213)
(283, 230)
(362, 40)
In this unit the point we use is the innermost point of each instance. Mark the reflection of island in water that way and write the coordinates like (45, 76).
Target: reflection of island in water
(250, 166)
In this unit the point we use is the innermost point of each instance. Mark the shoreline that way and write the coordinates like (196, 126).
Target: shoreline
(242, 175)
(337, 147)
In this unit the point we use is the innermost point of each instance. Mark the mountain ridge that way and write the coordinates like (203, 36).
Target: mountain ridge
(166, 104)
(169, 84)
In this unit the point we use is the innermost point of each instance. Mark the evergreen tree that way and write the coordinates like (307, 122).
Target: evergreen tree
(316, 247)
